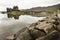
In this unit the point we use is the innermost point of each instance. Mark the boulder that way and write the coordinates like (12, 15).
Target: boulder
(51, 36)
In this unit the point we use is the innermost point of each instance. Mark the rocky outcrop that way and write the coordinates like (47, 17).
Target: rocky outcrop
(41, 30)
(51, 36)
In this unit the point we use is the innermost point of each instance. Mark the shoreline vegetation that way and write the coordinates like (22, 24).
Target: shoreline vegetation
(37, 11)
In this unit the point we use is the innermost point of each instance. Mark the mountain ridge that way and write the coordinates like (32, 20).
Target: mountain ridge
(49, 8)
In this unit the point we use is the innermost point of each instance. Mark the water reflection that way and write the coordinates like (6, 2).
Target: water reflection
(10, 25)
(22, 18)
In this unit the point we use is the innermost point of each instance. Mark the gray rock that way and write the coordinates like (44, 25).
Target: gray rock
(51, 36)
(23, 35)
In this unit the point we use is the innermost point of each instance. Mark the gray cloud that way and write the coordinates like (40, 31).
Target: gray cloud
(24, 4)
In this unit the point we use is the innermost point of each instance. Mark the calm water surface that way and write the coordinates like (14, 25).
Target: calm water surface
(10, 25)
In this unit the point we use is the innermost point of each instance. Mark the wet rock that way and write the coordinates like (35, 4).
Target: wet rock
(24, 35)
(36, 33)
(51, 36)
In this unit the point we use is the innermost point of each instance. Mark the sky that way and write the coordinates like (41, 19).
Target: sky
(26, 4)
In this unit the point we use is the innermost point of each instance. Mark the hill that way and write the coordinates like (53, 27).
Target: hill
(49, 8)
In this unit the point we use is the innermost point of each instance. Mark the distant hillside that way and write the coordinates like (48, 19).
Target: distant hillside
(49, 8)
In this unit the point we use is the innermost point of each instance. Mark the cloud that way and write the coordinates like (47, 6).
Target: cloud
(24, 4)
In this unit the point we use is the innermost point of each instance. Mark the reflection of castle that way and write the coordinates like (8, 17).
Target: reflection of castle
(15, 8)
